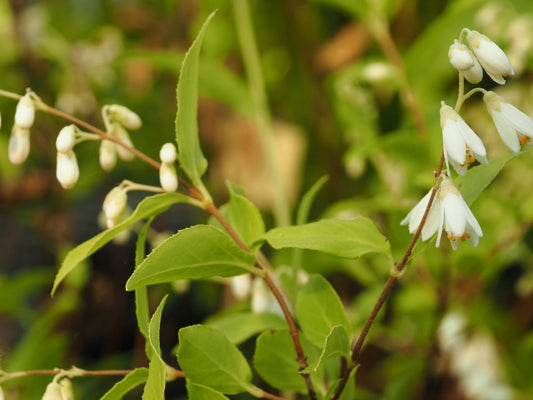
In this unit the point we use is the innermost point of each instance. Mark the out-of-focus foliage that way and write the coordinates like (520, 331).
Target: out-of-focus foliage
(337, 108)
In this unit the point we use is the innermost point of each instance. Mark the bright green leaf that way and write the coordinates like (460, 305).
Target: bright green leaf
(319, 309)
(343, 238)
(243, 216)
(239, 327)
(155, 383)
(141, 295)
(135, 378)
(150, 206)
(275, 360)
(337, 345)
(201, 251)
(191, 157)
(208, 358)
(201, 392)
(479, 177)
(307, 200)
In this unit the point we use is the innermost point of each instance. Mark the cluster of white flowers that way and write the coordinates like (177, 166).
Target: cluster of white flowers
(167, 172)
(461, 145)
(67, 171)
(59, 390)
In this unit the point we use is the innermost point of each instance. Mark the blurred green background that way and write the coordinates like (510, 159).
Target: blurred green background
(338, 108)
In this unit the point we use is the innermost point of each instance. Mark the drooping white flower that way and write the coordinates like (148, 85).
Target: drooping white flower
(114, 205)
(19, 144)
(456, 218)
(514, 127)
(168, 153)
(25, 112)
(66, 139)
(67, 392)
(168, 177)
(52, 392)
(67, 171)
(474, 74)
(449, 212)
(241, 286)
(121, 134)
(108, 155)
(414, 218)
(461, 145)
(460, 57)
(491, 57)
(124, 116)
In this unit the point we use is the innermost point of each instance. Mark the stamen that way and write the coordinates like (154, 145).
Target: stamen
(465, 236)
(524, 139)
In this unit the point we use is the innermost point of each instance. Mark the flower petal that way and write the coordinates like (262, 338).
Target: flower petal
(454, 144)
(454, 215)
(507, 132)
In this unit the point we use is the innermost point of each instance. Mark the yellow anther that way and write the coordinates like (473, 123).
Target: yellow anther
(524, 139)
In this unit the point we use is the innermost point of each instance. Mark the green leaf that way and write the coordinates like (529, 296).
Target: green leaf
(343, 238)
(155, 383)
(348, 392)
(208, 358)
(319, 309)
(275, 360)
(201, 392)
(479, 177)
(355, 8)
(239, 327)
(135, 378)
(201, 251)
(243, 216)
(150, 206)
(191, 157)
(337, 345)
(307, 200)
(141, 295)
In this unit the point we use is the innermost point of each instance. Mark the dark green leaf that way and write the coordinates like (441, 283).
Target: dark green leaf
(201, 251)
(201, 392)
(337, 345)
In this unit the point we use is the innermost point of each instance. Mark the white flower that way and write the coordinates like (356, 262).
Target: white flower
(121, 134)
(114, 205)
(67, 171)
(456, 218)
(241, 286)
(492, 58)
(432, 221)
(108, 155)
(19, 144)
(474, 74)
(168, 177)
(25, 112)
(66, 139)
(52, 392)
(67, 392)
(168, 153)
(514, 127)
(460, 57)
(125, 116)
(448, 212)
(461, 145)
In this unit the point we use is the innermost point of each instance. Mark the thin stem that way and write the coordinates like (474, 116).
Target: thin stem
(6, 376)
(393, 278)
(261, 112)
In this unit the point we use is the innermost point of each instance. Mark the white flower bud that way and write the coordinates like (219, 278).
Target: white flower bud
(66, 139)
(19, 145)
(1, 393)
(52, 392)
(121, 134)
(67, 171)
(168, 153)
(125, 116)
(114, 204)
(108, 155)
(168, 177)
(25, 112)
(460, 57)
(241, 286)
(491, 57)
(67, 393)
(475, 73)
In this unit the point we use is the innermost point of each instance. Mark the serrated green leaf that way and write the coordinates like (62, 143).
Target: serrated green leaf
(319, 309)
(275, 361)
(337, 344)
(135, 378)
(155, 383)
(343, 238)
(201, 392)
(190, 154)
(150, 206)
(243, 216)
(208, 358)
(478, 178)
(239, 327)
(201, 251)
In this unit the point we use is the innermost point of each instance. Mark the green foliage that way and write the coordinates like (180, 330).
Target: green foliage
(208, 358)
(343, 238)
(201, 392)
(149, 207)
(201, 251)
(135, 378)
